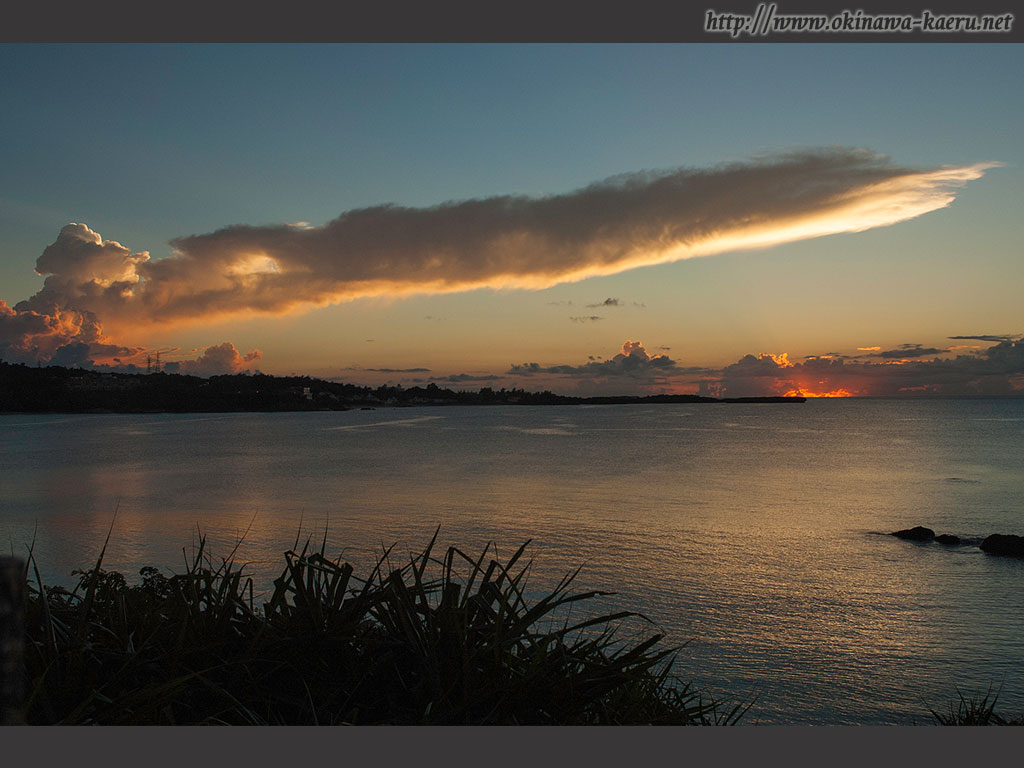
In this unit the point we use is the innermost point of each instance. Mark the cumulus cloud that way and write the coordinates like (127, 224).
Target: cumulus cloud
(215, 361)
(632, 362)
(82, 269)
(60, 335)
(53, 327)
(75, 339)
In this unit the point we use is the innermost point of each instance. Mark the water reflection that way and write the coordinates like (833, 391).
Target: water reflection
(754, 541)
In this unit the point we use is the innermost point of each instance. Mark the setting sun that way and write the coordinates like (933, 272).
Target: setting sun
(802, 392)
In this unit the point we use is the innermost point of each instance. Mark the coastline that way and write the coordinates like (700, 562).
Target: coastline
(54, 389)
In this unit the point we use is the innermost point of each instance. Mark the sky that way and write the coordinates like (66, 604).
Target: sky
(733, 219)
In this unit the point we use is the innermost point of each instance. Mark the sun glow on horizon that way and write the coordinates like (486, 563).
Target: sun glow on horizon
(802, 392)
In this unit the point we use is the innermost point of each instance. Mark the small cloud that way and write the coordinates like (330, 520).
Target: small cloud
(457, 378)
(909, 351)
(869, 349)
(996, 338)
(526, 369)
(586, 319)
(612, 302)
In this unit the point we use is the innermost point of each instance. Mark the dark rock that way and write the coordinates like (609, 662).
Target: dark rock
(948, 539)
(1004, 544)
(917, 533)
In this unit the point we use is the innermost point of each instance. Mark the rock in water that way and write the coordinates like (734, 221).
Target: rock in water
(948, 539)
(917, 533)
(1003, 544)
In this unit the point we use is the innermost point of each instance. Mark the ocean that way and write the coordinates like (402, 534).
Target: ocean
(751, 535)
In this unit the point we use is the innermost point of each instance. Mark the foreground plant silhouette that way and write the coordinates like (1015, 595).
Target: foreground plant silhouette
(418, 644)
(975, 711)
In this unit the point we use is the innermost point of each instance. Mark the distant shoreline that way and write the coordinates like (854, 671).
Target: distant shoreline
(54, 389)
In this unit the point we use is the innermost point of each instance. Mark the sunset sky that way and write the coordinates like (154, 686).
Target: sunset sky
(732, 219)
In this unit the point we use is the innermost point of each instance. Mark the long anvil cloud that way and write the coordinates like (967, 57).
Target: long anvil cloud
(628, 221)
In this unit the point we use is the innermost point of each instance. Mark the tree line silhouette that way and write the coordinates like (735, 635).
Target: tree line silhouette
(55, 389)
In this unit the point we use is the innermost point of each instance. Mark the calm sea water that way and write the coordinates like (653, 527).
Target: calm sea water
(749, 532)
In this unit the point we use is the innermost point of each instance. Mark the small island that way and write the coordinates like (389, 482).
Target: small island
(54, 389)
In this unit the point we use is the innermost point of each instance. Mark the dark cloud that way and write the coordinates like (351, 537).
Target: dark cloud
(527, 369)
(761, 366)
(74, 354)
(586, 319)
(905, 351)
(457, 378)
(997, 370)
(611, 302)
(990, 337)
